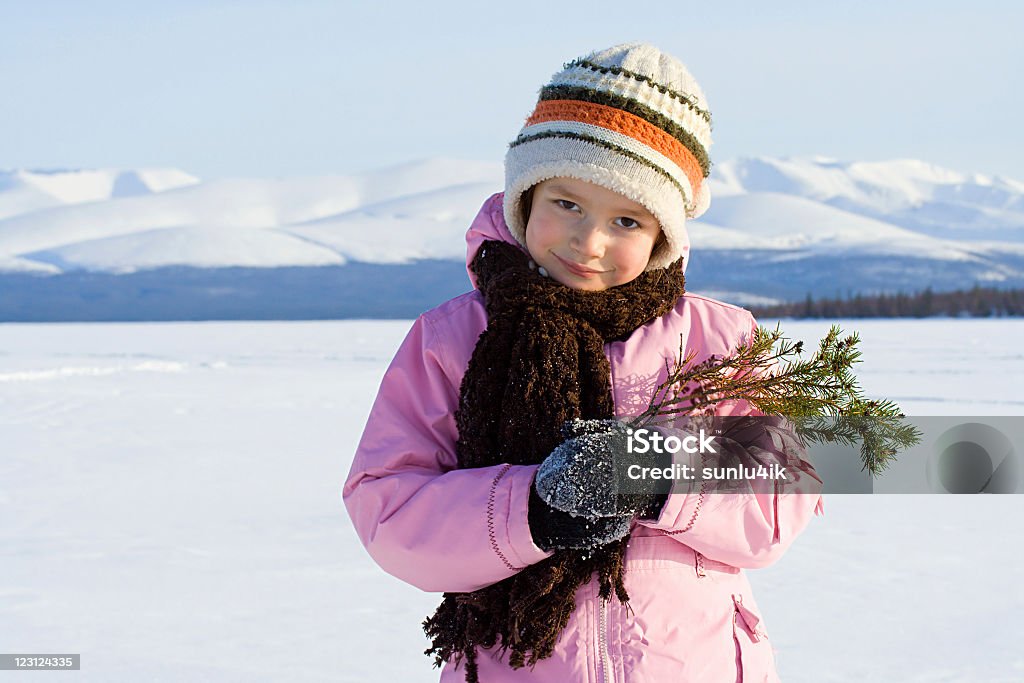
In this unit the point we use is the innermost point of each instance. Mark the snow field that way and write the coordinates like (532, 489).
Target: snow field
(170, 509)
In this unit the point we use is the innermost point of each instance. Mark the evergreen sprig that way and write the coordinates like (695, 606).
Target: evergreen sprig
(820, 395)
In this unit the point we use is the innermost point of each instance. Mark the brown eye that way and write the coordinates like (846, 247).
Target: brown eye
(628, 223)
(566, 204)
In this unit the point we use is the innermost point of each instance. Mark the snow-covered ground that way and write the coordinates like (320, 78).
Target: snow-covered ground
(169, 508)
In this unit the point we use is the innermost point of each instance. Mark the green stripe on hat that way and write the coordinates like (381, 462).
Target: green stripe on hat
(560, 92)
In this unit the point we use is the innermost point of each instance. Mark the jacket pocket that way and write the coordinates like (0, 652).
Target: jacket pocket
(754, 660)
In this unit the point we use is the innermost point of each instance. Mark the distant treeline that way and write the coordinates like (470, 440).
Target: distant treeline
(977, 302)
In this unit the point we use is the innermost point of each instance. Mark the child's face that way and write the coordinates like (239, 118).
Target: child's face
(589, 237)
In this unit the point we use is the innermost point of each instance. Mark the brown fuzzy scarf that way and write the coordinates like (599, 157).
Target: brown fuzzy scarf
(539, 363)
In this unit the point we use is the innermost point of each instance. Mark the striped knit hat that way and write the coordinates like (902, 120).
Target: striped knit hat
(630, 118)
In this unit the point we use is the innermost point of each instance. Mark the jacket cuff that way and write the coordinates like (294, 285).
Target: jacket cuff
(682, 506)
(679, 513)
(512, 541)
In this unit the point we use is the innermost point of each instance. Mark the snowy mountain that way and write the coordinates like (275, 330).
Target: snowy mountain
(792, 225)
(908, 193)
(27, 191)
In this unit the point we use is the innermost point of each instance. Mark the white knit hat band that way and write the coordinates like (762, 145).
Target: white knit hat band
(616, 141)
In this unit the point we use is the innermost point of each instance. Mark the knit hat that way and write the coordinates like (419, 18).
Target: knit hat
(629, 118)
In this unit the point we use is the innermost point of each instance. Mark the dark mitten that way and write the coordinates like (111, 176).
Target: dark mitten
(556, 530)
(650, 506)
(586, 475)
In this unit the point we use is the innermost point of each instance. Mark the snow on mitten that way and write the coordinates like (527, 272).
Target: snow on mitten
(585, 475)
(556, 530)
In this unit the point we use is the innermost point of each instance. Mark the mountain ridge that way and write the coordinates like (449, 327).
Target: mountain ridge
(794, 224)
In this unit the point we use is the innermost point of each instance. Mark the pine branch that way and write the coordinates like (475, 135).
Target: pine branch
(820, 395)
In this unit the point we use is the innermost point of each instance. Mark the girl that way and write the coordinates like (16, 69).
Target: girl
(578, 303)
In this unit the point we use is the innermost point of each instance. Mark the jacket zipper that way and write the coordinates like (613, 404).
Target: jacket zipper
(602, 640)
(736, 642)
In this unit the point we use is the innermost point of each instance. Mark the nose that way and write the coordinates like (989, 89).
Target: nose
(588, 240)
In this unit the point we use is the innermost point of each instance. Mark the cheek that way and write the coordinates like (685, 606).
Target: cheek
(541, 234)
(634, 256)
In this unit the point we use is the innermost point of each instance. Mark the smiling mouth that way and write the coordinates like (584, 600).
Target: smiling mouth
(576, 268)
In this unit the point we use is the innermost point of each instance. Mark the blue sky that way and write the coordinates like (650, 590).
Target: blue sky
(309, 87)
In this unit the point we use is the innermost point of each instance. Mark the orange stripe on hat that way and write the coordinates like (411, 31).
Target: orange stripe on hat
(625, 123)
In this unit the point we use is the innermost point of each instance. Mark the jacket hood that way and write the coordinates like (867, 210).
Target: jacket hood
(489, 224)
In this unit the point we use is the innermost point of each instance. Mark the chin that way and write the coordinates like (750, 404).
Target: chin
(594, 286)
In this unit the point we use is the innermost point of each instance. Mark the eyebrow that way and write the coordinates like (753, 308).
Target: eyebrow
(563, 190)
(635, 214)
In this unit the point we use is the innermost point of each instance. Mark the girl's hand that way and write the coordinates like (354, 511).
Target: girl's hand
(585, 474)
(556, 530)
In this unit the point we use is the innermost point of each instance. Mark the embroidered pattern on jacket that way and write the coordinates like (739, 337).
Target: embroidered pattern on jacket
(490, 519)
(696, 511)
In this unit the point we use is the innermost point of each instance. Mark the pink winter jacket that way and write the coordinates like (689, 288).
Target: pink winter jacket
(691, 615)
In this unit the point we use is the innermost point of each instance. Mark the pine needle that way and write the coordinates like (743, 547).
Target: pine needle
(820, 395)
